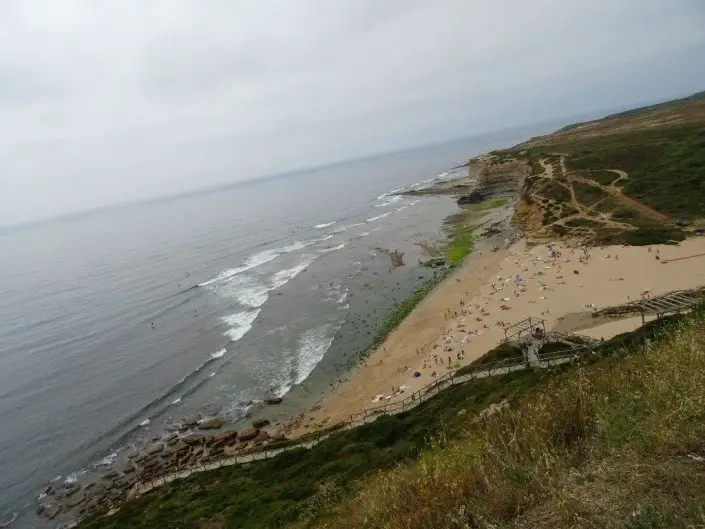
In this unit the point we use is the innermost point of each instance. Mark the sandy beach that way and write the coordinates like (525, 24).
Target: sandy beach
(464, 316)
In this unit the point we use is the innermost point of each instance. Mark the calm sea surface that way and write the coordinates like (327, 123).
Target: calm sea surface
(115, 323)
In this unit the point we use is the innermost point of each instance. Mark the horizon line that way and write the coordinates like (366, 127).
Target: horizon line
(315, 167)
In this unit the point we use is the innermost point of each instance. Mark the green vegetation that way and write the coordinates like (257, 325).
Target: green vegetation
(503, 351)
(602, 177)
(556, 192)
(458, 248)
(657, 153)
(666, 167)
(492, 203)
(587, 194)
(646, 236)
(639, 112)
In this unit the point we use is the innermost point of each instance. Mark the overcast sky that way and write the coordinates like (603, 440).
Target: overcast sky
(105, 102)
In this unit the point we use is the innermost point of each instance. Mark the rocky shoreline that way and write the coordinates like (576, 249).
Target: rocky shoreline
(186, 445)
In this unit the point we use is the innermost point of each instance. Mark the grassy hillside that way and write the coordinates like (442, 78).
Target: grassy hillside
(641, 111)
(624, 179)
(297, 486)
(616, 443)
(567, 435)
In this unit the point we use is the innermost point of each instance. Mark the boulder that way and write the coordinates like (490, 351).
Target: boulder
(248, 434)
(260, 423)
(71, 489)
(128, 468)
(52, 511)
(210, 424)
(261, 436)
(230, 450)
(78, 499)
(226, 436)
(193, 439)
(155, 449)
(112, 474)
(273, 400)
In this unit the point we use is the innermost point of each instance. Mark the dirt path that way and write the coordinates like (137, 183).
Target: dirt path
(616, 193)
(555, 170)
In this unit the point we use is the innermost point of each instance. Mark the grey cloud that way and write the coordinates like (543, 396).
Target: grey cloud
(112, 101)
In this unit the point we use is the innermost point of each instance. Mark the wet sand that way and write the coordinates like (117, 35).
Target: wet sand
(464, 314)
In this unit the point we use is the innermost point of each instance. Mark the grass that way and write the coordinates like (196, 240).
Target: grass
(488, 204)
(503, 351)
(458, 248)
(587, 194)
(666, 167)
(602, 177)
(607, 444)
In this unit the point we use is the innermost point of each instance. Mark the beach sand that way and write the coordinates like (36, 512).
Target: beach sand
(463, 314)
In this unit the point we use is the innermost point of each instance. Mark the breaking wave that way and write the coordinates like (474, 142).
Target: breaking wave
(326, 225)
(372, 219)
(238, 324)
(333, 248)
(259, 259)
(392, 200)
(312, 347)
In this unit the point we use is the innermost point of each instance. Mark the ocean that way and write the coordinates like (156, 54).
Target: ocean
(116, 323)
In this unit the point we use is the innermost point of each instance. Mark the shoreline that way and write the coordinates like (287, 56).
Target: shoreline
(556, 289)
(404, 345)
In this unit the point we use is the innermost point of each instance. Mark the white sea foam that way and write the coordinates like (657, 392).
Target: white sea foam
(177, 400)
(326, 225)
(259, 259)
(145, 422)
(341, 229)
(211, 375)
(313, 345)
(74, 476)
(402, 208)
(250, 293)
(333, 248)
(282, 277)
(217, 354)
(239, 323)
(382, 196)
(108, 460)
(379, 216)
(392, 200)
